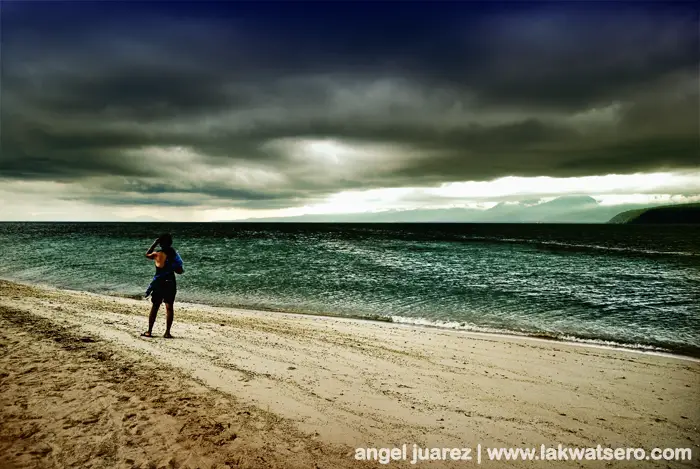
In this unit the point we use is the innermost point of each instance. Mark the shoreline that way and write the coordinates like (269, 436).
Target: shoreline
(505, 334)
(351, 383)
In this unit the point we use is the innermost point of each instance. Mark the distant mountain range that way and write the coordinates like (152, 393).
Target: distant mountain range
(667, 214)
(568, 209)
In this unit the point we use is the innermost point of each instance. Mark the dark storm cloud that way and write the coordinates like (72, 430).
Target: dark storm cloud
(189, 194)
(125, 199)
(194, 198)
(466, 91)
(577, 55)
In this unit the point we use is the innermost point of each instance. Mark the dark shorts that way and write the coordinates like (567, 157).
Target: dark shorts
(164, 292)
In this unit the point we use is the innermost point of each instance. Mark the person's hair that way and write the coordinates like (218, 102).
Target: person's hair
(166, 244)
(165, 240)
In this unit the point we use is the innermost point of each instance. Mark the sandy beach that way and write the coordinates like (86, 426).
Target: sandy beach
(239, 388)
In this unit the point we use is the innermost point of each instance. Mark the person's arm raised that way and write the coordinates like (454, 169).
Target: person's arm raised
(150, 254)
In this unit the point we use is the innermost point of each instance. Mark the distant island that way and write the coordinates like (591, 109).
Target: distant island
(667, 214)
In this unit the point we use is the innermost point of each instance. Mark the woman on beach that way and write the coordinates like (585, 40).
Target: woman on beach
(163, 286)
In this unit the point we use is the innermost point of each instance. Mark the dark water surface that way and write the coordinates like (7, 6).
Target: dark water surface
(635, 286)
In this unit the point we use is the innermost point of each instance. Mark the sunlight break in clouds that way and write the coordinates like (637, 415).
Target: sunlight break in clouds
(546, 186)
(611, 189)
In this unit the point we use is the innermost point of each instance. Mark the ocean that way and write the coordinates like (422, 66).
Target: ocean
(631, 286)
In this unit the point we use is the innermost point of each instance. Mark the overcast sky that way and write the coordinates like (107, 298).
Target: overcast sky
(211, 111)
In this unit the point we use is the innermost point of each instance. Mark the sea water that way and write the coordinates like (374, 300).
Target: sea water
(625, 285)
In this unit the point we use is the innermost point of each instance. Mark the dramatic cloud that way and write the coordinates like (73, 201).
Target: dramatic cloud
(265, 107)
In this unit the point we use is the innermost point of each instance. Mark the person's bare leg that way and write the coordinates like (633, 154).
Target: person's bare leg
(152, 319)
(169, 314)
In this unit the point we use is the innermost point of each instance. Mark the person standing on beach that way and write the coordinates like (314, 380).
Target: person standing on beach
(163, 286)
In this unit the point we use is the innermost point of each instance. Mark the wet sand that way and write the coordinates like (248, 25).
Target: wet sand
(238, 388)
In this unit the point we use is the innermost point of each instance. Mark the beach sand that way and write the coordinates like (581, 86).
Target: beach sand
(239, 388)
